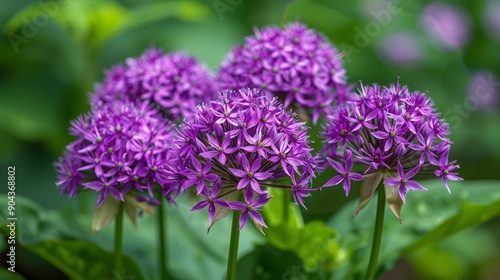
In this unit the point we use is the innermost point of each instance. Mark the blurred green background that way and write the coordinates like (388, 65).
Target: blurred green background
(53, 52)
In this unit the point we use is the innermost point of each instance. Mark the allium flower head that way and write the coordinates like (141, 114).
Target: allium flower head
(394, 134)
(234, 147)
(120, 148)
(296, 64)
(173, 83)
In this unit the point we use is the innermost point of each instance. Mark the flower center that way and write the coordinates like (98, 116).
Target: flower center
(260, 144)
(250, 174)
(136, 178)
(198, 176)
(343, 132)
(96, 160)
(219, 150)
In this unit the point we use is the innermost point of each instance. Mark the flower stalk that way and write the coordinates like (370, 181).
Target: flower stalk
(377, 236)
(119, 238)
(162, 251)
(233, 247)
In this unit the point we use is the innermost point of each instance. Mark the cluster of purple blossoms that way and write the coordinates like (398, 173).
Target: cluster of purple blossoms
(395, 134)
(234, 147)
(120, 148)
(174, 84)
(296, 64)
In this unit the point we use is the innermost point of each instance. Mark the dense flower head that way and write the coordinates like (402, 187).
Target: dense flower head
(120, 148)
(393, 134)
(295, 63)
(173, 83)
(233, 147)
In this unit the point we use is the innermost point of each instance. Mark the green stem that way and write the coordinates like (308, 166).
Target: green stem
(162, 238)
(119, 238)
(286, 207)
(233, 247)
(377, 236)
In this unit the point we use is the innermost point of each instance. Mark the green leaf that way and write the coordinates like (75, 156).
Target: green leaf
(185, 10)
(269, 263)
(318, 246)
(428, 217)
(189, 245)
(83, 260)
(5, 274)
(281, 233)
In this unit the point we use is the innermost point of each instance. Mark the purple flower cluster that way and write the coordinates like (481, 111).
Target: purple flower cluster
(388, 130)
(120, 148)
(296, 64)
(173, 83)
(233, 147)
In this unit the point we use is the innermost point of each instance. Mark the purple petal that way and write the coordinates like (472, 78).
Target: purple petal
(257, 218)
(243, 183)
(238, 172)
(262, 175)
(355, 176)
(415, 186)
(211, 213)
(200, 205)
(245, 164)
(256, 165)
(380, 135)
(402, 193)
(209, 154)
(236, 205)
(392, 181)
(347, 186)
(335, 165)
(243, 218)
(333, 181)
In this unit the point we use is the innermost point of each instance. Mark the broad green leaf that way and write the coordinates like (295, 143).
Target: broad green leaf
(83, 260)
(185, 10)
(5, 274)
(428, 217)
(188, 243)
(269, 263)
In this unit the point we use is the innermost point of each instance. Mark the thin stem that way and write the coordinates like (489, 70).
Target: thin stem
(233, 247)
(377, 236)
(161, 237)
(286, 208)
(119, 238)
